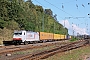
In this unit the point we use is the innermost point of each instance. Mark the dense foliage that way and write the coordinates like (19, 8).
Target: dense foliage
(21, 15)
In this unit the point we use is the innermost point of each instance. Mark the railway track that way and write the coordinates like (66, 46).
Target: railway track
(9, 49)
(47, 53)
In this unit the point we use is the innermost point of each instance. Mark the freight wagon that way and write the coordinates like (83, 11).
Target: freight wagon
(32, 37)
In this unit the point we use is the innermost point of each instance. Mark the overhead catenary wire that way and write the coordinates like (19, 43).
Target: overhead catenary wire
(44, 6)
(71, 16)
(40, 3)
(86, 20)
(58, 8)
(61, 9)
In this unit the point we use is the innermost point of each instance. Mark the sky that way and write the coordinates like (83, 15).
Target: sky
(73, 14)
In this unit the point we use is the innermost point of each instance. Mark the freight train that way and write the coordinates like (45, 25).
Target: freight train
(32, 37)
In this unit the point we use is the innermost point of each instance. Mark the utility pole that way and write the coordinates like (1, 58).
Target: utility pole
(72, 29)
(64, 28)
(54, 27)
(54, 22)
(43, 22)
(89, 17)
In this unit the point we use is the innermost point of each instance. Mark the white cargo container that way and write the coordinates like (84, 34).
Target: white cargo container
(25, 36)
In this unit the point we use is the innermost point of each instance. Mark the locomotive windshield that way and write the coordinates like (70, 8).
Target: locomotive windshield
(17, 33)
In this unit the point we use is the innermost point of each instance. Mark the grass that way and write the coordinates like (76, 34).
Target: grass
(74, 39)
(34, 50)
(76, 54)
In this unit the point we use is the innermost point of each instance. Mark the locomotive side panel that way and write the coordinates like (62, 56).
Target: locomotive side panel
(32, 36)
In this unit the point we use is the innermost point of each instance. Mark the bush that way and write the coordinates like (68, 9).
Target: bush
(74, 39)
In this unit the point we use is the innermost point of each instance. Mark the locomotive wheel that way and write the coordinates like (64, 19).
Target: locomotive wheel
(25, 43)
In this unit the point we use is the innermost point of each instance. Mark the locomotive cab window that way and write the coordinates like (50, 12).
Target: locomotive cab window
(17, 33)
